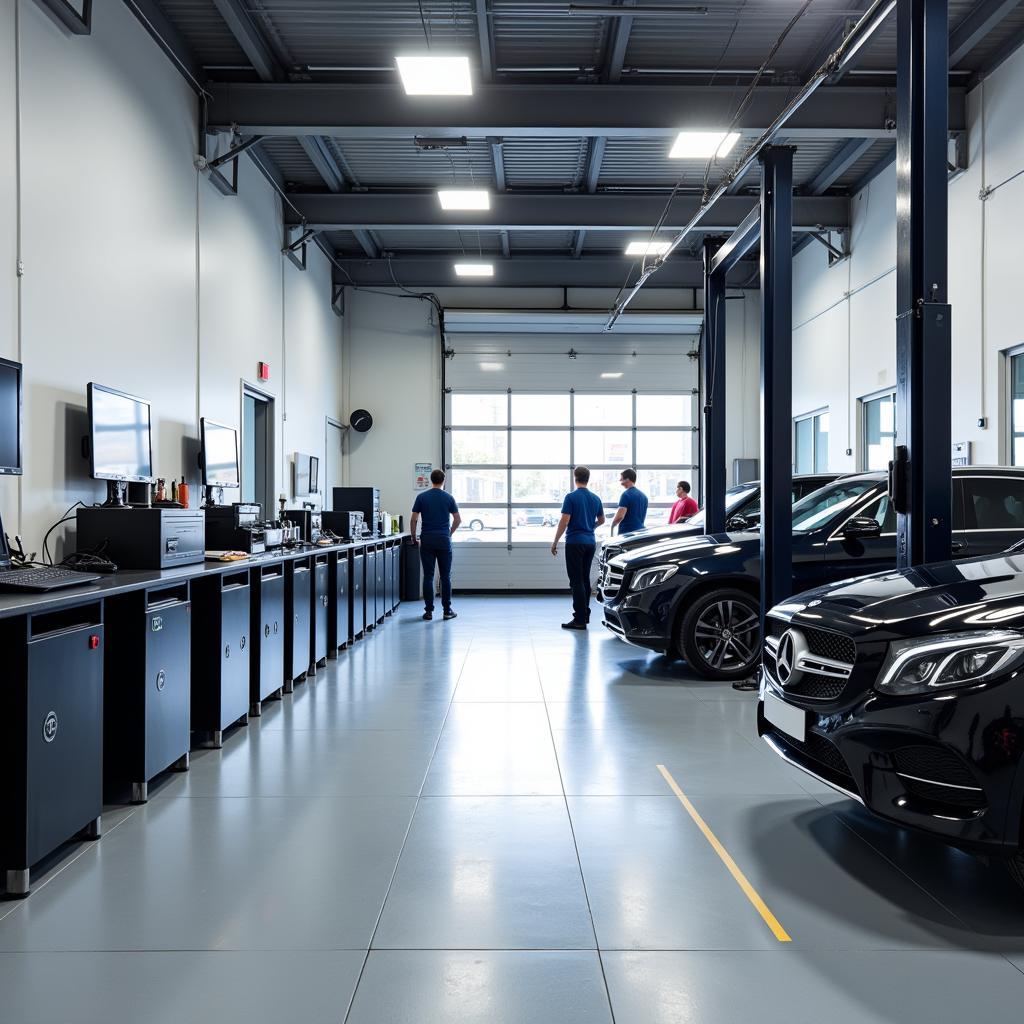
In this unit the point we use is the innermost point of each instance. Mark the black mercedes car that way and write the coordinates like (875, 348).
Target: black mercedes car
(905, 691)
(742, 512)
(698, 597)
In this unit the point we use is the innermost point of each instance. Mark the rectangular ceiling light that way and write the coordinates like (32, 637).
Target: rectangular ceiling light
(474, 270)
(647, 248)
(702, 145)
(464, 198)
(430, 75)
(611, 376)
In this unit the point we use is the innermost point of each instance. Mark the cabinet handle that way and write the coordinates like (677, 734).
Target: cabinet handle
(227, 650)
(275, 627)
(266, 629)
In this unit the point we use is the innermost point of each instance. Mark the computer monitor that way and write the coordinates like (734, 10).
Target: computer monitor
(218, 456)
(10, 417)
(307, 475)
(120, 441)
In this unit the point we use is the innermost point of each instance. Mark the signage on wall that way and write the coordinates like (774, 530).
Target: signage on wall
(961, 453)
(421, 475)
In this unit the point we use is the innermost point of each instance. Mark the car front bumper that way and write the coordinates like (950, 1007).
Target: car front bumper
(643, 618)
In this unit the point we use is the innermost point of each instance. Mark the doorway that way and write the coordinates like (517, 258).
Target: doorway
(258, 448)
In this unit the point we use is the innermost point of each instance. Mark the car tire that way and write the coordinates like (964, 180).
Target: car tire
(476, 525)
(1015, 866)
(719, 635)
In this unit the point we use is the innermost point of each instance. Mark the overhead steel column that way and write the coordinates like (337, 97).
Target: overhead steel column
(922, 477)
(713, 392)
(776, 375)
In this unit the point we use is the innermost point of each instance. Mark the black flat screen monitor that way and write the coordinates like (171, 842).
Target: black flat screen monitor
(120, 440)
(220, 454)
(10, 417)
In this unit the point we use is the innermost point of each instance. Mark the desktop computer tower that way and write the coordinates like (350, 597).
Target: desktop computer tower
(360, 499)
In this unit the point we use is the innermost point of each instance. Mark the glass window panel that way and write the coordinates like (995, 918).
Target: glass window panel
(482, 526)
(821, 423)
(998, 504)
(540, 447)
(535, 525)
(472, 447)
(664, 410)
(664, 447)
(479, 485)
(603, 410)
(540, 485)
(540, 410)
(804, 446)
(604, 447)
(1017, 408)
(605, 484)
(480, 410)
(660, 485)
(879, 432)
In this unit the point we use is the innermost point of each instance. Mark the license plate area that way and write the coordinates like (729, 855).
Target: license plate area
(792, 721)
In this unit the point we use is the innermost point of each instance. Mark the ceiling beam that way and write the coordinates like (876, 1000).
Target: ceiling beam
(379, 211)
(618, 42)
(367, 243)
(849, 153)
(168, 38)
(249, 37)
(498, 156)
(537, 270)
(976, 26)
(595, 156)
(323, 160)
(483, 31)
(739, 243)
(552, 111)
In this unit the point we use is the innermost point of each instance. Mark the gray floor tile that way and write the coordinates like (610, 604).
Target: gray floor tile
(174, 987)
(320, 708)
(487, 873)
(494, 749)
(482, 987)
(223, 874)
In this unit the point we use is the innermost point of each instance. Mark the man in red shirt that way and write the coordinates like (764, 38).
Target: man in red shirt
(685, 506)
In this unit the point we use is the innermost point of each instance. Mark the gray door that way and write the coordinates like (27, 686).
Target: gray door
(332, 470)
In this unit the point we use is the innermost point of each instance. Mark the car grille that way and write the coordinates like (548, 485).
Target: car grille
(939, 776)
(827, 644)
(824, 684)
(608, 552)
(820, 752)
(611, 581)
(818, 687)
(961, 799)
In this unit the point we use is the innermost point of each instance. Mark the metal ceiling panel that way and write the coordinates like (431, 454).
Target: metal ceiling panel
(545, 36)
(550, 162)
(396, 162)
(535, 241)
(856, 171)
(468, 243)
(293, 163)
(645, 162)
(343, 242)
(206, 33)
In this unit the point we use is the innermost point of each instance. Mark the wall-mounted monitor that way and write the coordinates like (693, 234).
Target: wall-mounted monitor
(219, 454)
(120, 441)
(307, 475)
(10, 417)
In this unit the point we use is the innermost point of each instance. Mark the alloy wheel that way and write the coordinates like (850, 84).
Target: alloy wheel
(727, 635)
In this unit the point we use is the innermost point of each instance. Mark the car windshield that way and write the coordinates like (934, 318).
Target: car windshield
(734, 498)
(818, 507)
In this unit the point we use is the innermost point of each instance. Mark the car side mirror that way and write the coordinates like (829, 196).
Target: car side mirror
(861, 527)
(738, 524)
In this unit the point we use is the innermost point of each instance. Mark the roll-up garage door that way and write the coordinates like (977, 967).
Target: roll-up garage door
(523, 409)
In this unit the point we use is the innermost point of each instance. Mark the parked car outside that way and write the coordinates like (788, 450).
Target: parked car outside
(486, 519)
(698, 597)
(905, 691)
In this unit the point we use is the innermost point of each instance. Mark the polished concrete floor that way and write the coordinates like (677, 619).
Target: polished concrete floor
(465, 821)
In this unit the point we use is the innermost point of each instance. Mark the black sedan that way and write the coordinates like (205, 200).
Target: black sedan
(905, 690)
(698, 598)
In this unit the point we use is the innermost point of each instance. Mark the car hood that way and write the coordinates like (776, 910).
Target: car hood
(683, 551)
(946, 597)
(654, 534)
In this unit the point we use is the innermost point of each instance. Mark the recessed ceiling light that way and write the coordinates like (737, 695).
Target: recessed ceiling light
(703, 144)
(474, 269)
(611, 376)
(492, 366)
(431, 75)
(647, 248)
(464, 198)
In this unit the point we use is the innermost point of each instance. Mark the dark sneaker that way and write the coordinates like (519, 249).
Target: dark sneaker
(427, 616)
(450, 615)
(574, 625)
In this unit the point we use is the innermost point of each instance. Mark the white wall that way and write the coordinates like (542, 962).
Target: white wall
(844, 316)
(138, 274)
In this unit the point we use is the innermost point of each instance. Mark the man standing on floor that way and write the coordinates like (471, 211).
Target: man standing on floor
(582, 512)
(632, 510)
(685, 507)
(435, 541)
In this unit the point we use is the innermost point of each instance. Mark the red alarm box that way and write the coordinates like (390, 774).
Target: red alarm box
(264, 371)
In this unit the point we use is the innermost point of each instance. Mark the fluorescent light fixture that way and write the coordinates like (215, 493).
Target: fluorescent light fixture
(474, 270)
(430, 75)
(492, 366)
(611, 376)
(703, 144)
(464, 198)
(647, 248)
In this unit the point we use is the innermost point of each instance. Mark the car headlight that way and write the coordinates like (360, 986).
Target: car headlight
(949, 660)
(652, 577)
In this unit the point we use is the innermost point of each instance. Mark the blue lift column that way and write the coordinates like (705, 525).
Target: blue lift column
(776, 376)
(713, 392)
(921, 476)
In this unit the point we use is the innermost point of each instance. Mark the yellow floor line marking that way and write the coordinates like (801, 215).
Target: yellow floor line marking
(741, 879)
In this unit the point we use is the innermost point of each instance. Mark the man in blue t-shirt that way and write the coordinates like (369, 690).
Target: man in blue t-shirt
(632, 510)
(581, 513)
(440, 520)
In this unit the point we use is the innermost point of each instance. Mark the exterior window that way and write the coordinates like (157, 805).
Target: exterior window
(879, 431)
(511, 456)
(810, 443)
(994, 503)
(1016, 375)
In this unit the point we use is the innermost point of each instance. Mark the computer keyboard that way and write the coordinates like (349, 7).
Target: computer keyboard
(44, 578)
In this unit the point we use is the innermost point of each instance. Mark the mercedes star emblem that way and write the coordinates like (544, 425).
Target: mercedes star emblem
(786, 658)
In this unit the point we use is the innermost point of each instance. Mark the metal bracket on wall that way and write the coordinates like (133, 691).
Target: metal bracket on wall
(957, 158)
(299, 245)
(80, 24)
(211, 166)
(835, 252)
(338, 299)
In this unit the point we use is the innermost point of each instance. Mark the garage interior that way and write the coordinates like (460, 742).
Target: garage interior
(763, 246)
